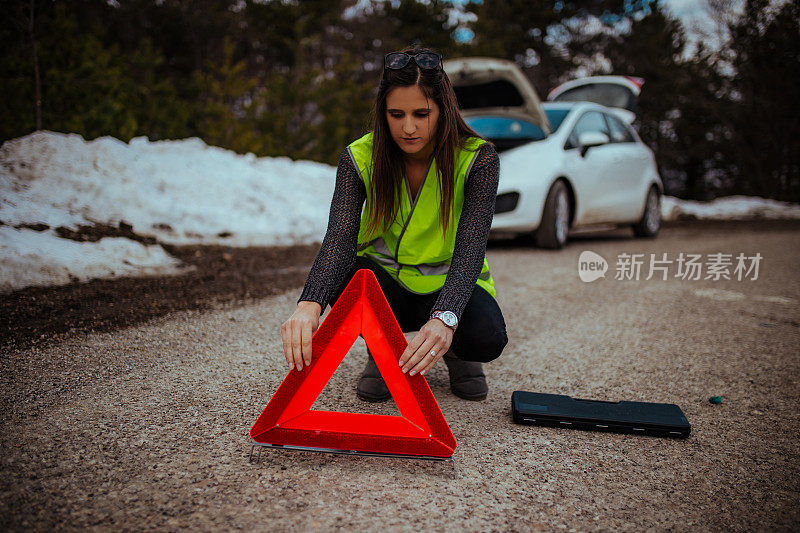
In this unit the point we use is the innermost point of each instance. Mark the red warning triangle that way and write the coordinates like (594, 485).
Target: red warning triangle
(288, 419)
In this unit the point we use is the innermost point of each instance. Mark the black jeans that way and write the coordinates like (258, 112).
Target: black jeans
(481, 333)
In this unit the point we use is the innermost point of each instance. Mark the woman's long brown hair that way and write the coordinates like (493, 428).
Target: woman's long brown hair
(387, 157)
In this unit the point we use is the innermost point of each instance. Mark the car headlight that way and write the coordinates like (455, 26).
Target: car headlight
(506, 202)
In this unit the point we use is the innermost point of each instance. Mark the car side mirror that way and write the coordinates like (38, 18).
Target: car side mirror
(589, 139)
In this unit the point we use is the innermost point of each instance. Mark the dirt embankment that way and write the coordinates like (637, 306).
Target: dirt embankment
(221, 275)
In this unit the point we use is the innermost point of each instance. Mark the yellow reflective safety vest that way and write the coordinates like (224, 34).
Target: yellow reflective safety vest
(414, 249)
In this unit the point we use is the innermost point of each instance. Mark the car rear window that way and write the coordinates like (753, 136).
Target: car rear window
(605, 94)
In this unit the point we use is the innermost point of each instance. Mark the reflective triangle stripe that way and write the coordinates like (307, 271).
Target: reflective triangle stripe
(381, 255)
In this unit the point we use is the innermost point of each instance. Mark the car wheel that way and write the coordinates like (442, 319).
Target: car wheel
(552, 232)
(650, 223)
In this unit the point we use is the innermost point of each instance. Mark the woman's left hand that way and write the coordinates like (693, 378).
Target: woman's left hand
(428, 346)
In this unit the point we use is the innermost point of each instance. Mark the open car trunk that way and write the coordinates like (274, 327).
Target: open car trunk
(618, 92)
(497, 101)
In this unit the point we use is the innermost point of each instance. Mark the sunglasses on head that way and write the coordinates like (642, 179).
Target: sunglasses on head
(424, 60)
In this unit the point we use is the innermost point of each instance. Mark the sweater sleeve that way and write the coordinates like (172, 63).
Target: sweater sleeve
(337, 255)
(477, 212)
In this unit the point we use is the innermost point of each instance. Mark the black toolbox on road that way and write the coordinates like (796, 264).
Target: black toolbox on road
(558, 410)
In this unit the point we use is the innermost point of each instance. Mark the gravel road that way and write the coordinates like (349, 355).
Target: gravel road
(147, 427)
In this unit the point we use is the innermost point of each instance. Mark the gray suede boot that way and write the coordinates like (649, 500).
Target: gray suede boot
(371, 386)
(467, 379)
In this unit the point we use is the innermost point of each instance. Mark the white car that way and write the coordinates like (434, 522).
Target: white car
(565, 164)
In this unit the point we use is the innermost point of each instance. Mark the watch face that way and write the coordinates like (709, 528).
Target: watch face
(449, 318)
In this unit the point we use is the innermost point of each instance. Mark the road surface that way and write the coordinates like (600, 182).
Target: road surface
(146, 427)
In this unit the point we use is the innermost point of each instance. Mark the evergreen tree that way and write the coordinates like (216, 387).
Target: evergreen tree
(679, 113)
(161, 112)
(223, 109)
(298, 78)
(18, 106)
(765, 120)
(522, 31)
(653, 50)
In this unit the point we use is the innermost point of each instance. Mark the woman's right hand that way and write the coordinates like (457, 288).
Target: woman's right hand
(297, 331)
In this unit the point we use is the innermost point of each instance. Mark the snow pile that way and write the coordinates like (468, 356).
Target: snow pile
(180, 192)
(31, 258)
(728, 208)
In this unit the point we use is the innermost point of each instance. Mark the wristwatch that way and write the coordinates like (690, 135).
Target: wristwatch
(448, 317)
